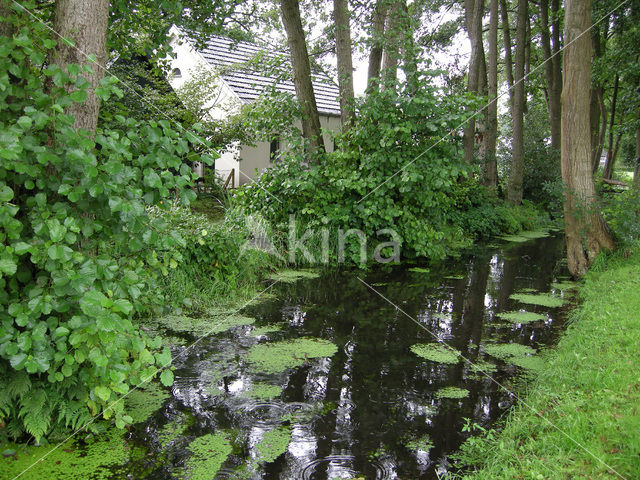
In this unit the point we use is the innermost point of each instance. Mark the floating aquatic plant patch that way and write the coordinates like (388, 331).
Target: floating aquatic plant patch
(454, 277)
(419, 270)
(263, 391)
(265, 329)
(292, 276)
(423, 443)
(482, 366)
(507, 351)
(208, 453)
(514, 238)
(516, 354)
(436, 352)
(566, 285)
(211, 324)
(273, 444)
(143, 402)
(171, 432)
(279, 356)
(452, 392)
(543, 299)
(98, 460)
(522, 317)
(533, 234)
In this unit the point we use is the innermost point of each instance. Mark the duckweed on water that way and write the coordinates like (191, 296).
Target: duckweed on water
(454, 277)
(209, 452)
(263, 391)
(566, 285)
(543, 299)
(419, 270)
(516, 354)
(144, 401)
(71, 461)
(436, 352)
(514, 238)
(273, 444)
(452, 392)
(423, 443)
(171, 432)
(265, 329)
(208, 325)
(278, 357)
(533, 234)
(522, 317)
(292, 276)
(482, 366)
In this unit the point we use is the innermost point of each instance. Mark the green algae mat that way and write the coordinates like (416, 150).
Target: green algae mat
(280, 356)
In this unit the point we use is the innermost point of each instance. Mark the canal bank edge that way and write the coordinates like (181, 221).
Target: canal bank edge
(590, 391)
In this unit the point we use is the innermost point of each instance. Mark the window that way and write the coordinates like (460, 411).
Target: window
(274, 149)
(176, 73)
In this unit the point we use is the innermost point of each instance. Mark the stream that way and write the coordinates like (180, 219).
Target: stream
(362, 399)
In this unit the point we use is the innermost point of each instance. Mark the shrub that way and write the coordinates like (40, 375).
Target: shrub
(78, 248)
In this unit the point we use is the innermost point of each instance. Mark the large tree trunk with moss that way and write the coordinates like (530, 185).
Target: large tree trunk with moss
(377, 41)
(473, 12)
(508, 58)
(391, 54)
(491, 135)
(345, 61)
(85, 22)
(552, 69)
(608, 164)
(290, 10)
(586, 231)
(636, 170)
(514, 191)
(6, 28)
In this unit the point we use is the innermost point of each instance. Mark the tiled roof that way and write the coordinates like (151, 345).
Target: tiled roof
(237, 63)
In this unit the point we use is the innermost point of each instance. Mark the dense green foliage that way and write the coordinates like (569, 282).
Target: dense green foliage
(80, 255)
(587, 390)
(391, 171)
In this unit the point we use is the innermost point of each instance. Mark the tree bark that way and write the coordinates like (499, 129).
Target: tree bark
(85, 22)
(586, 231)
(6, 28)
(506, 33)
(345, 61)
(514, 191)
(608, 164)
(311, 130)
(553, 73)
(636, 170)
(375, 56)
(391, 54)
(491, 135)
(474, 10)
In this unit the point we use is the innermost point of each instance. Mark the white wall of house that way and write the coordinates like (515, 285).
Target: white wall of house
(245, 160)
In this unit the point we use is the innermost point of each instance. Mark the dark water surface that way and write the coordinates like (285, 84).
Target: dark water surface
(354, 415)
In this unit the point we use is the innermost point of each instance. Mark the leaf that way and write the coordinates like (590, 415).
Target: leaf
(166, 377)
(6, 194)
(8, 266)
(103, 392)
(79, 96)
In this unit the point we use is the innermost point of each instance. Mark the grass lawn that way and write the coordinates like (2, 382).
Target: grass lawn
(590, 391)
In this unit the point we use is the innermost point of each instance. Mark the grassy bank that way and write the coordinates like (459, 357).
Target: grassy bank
(590, 391)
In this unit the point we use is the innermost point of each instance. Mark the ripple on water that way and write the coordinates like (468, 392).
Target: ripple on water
(341, 465)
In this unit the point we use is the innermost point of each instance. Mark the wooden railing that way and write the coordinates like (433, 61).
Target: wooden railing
(230, 179)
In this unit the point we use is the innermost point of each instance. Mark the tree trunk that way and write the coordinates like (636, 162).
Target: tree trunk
(290, 10)
(391, 54)
(375, 56)
(514, 191)
(586, 231)
(508, 61)
(636, 170)
(491, 171)
(473, 20)
(409, 51)
(608, 164)
(553, 74)
(345, 61)
(85, 22)
(6, 28)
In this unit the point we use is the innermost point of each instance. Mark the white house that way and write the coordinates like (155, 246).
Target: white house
(236, 84)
